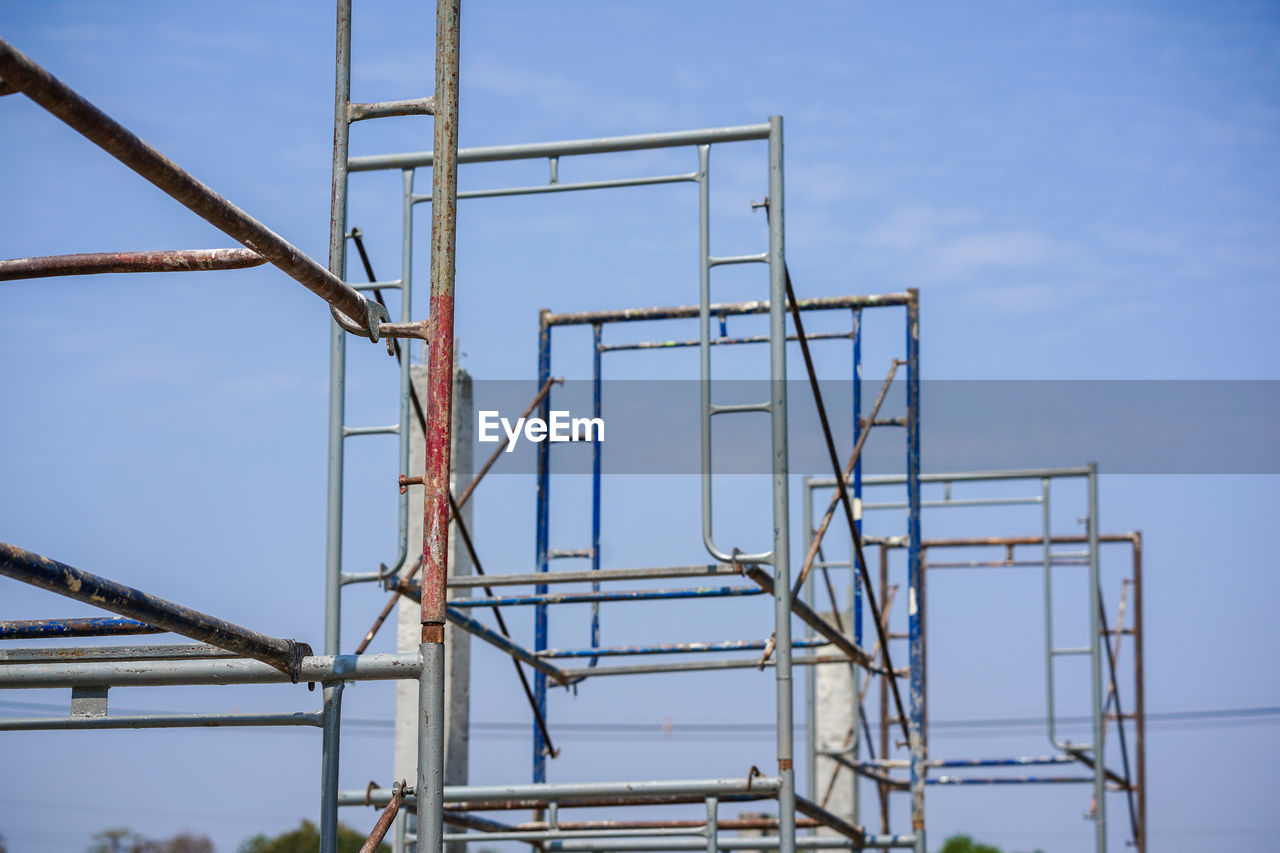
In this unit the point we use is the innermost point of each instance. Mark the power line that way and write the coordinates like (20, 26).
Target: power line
(506, 730)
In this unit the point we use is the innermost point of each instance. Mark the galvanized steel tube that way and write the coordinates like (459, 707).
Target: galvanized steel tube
(781, 553)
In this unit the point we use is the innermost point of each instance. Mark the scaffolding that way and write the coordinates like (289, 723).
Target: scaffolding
(226, 653)
(1102, 649)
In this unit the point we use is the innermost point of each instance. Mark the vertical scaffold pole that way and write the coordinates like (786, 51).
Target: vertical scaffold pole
(856, 485)
(1139, 699)
(781, 510)
(597, 450)
(337, 415)
(915, 578)
(1095, 658)
(541, 544)
(857, 468)
(435, 528)
(337, 338)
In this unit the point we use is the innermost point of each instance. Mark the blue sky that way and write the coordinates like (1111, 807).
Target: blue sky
(1083, 191)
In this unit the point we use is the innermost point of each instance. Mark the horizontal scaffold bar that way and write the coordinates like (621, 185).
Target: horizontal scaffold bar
(177, 651)
(161, 721)
(749, 339)
(675, 648)
(549, 792)
(721, 309)
(809, 842)
(316, 668)
(565, 148)
(961, 476)
(603, 596)
(589, 576)
(88, 626)
(170, 260)
(695, 666)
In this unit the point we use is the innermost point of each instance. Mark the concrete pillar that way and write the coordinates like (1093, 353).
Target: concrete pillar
(457, 690)
(836, 700)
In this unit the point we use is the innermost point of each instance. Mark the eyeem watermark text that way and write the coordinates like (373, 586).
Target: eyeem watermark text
(561, 427)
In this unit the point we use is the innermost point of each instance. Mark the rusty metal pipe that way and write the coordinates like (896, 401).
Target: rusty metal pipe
(99, 128)
(284, 655)
(1139, 697)
(384, 820)
(717, 309)
(168, 260)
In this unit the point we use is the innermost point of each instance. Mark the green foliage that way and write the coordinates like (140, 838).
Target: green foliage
(306, 839)
(122, 840)
(965, 844)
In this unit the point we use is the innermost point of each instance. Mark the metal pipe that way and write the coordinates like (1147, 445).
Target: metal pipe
(429, 785)
(1139, 697)
(959, 502)
(597, 452)
(1113, 697)
(915, 581)
(172, 260)
(108, 134)
(721, 309)
(387, 109)
(337, 340)
(1020, 761)
(829, 820)
(384, 820)
(882, 789)
(781, 551)
(598, 597)
(704, 364)
(819, 624)
(964, 476)
(558, 834)
(542, 546)
(539, 150)
(857, 711)
(694, 666)
(284, 655)
(721, 341)
(588, 576)
(318, 668)
(330, 751)
(502, 192)
(713, 828)
(547, 792)
(493, 638)
(1095, 668)
(179, 651)
(160, 721)
(674, 648)
(817, 842)
(92, 626)
(1009, 780)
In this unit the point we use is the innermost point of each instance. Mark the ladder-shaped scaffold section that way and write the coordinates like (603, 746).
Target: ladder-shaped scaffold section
(775, 305)
(1047, 552)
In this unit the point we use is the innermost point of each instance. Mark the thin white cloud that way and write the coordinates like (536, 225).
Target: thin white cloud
(917, 226)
